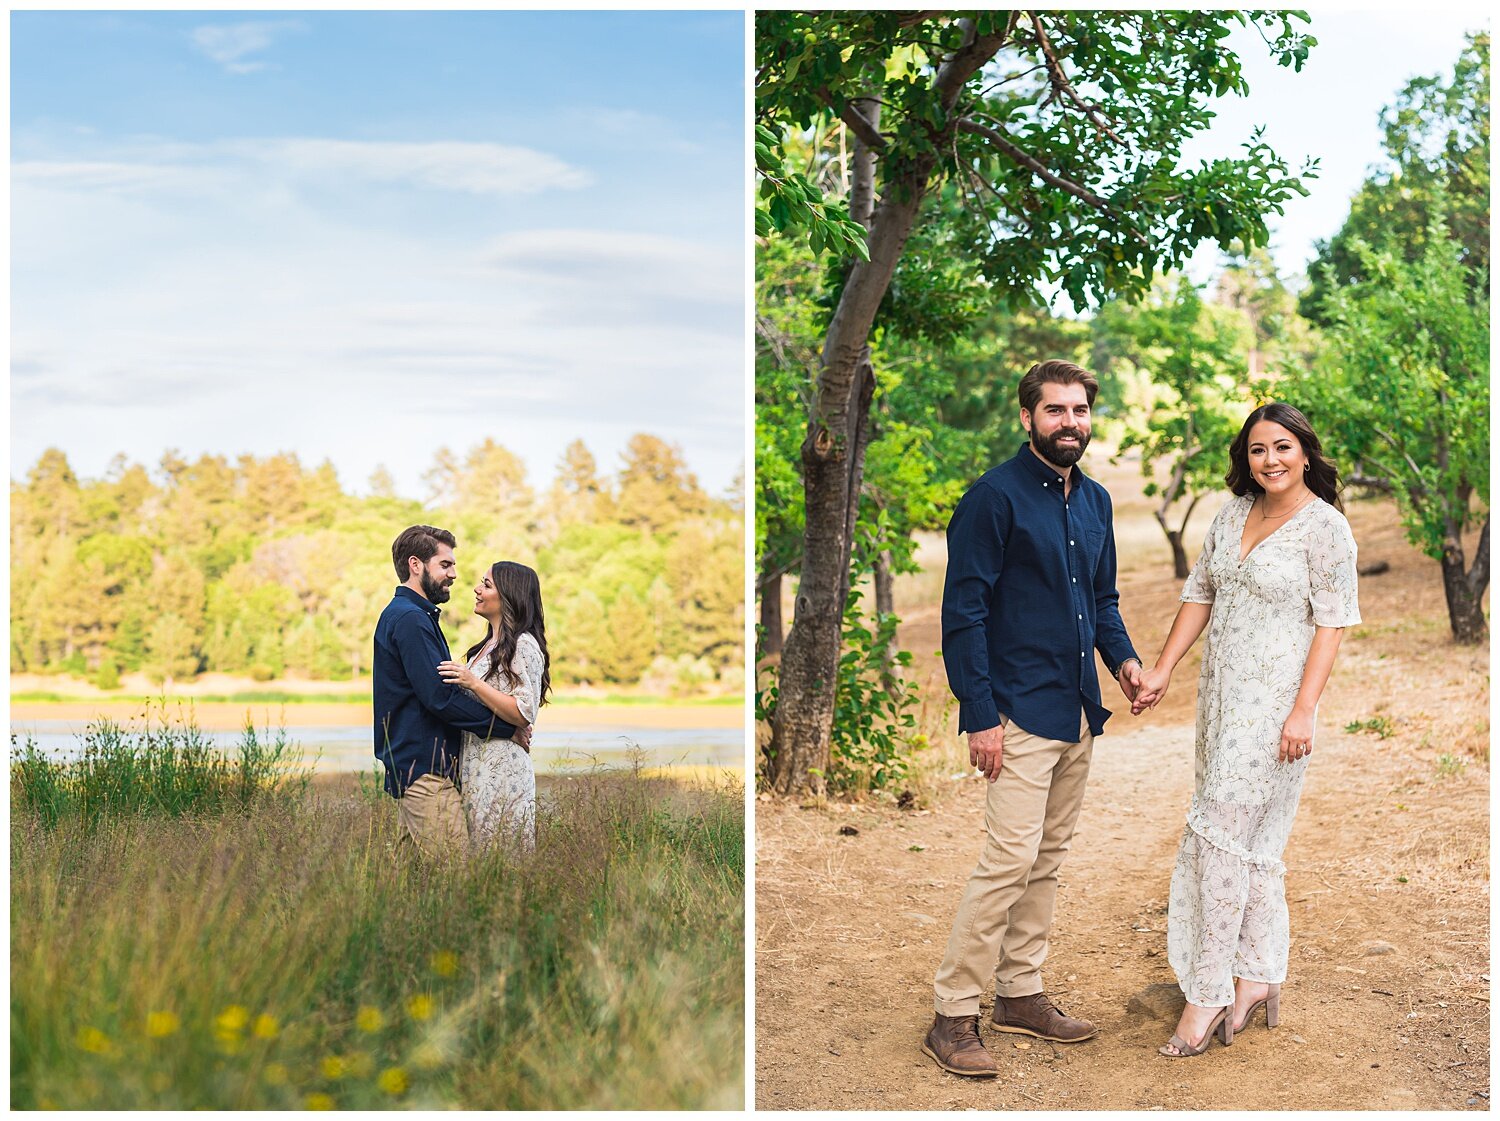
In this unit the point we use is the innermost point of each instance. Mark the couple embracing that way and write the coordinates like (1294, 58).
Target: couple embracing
(455, 737)
(1029, 595)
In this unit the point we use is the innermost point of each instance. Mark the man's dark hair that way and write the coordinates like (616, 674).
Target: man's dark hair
(1057, 372)
(420, 541)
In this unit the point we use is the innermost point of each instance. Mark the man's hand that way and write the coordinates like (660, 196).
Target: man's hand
(1130, 680)
(522, 738)
(986, 749)
(1152, 688)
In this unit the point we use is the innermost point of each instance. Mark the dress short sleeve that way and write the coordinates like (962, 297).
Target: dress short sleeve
(528, 667)
(1333, 579)
(1200, 582)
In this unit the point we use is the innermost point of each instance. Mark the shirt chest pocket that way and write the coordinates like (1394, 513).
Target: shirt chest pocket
(1092, 542)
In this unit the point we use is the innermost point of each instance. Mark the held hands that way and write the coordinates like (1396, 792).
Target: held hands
(1151, 688)
(1129, 677)
(455, 673)
(986, 749)
(1296, 737)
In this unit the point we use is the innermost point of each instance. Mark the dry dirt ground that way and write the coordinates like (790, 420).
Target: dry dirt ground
(1386, 1005)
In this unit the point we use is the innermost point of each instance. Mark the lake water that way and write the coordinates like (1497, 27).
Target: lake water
(554, 750)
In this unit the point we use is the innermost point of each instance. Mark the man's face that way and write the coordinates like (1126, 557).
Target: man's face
(1061, 424)
(438, 575)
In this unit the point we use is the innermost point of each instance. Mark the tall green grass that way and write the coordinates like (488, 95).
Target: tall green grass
(161, 766)
(282, 956)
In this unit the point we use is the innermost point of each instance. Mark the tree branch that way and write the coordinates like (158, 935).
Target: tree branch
(968, 60)
(1034, 165)
(1060, 83)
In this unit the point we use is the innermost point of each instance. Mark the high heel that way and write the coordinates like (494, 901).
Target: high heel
(1272, 1003)
(1221, 1025)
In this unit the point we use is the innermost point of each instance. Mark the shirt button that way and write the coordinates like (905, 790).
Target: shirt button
(1080, 616)
(1075, 579)
(1072, 542)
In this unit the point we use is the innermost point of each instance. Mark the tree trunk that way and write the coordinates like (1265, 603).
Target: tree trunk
(1465, 590)
(885, 603)
(1179, 554)
(833, 452)
(770, 615)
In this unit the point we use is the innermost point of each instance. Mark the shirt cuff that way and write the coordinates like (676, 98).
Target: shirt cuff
(977, 716)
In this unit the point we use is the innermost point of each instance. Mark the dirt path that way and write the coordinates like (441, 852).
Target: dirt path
(1386, 1005)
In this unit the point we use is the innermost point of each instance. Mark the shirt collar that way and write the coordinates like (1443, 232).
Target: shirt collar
(421, 601)
(1042, 471)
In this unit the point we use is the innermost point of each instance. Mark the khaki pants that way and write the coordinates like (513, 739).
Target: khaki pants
(431, 817)
(1006, 912)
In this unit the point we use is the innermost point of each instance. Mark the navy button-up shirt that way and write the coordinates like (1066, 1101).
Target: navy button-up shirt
(1029, 595)
(418, 715)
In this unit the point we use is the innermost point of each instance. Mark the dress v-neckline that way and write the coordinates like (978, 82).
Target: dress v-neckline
(1241, 544)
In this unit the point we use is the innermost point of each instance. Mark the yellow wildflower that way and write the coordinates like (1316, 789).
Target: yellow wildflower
(319, 1101)
(232, 1019)
(333, 1067)
(159, 1025)
(266, 1027)
(392, 1080)
(276, 1074)
(94, 1041)
(420, 1006)
(369, 1018)
(445, 963)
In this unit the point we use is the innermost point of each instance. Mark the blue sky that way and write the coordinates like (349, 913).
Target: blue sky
(362, 236)
(1331, 109)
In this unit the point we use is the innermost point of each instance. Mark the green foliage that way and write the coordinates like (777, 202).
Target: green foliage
(788, 202)
(1132, 207)
(1182, 366)
(281, 959)
(163, 767)
(262, 568)
(1403, 388)
(1381, 726)
(1437, 142)
(873, 719)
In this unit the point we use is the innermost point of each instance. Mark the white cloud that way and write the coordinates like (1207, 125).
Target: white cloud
(470, 167)
(228, 44)
(457, 166)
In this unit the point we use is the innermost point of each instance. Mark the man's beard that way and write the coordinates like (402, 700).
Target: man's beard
(435, 590)
(1048, 448)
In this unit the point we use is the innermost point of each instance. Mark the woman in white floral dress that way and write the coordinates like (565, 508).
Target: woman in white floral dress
(1275, 586)
(508, 671)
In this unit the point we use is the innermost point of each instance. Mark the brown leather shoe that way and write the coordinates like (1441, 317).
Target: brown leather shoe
(1038, 1016)
(953, 1043)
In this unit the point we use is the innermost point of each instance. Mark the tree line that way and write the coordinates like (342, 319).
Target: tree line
(928, 182)
(265, 567)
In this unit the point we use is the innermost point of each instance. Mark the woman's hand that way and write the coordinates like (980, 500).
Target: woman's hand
(1153, 688)
(455, 673)
(1296, 737)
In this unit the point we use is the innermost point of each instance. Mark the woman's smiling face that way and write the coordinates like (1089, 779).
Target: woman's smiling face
(486, 597)
(1277, 461)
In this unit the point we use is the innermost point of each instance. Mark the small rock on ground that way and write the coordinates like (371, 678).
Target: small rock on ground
(1161, 1001)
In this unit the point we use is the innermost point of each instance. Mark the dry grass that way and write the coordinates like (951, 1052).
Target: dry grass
(282, 958)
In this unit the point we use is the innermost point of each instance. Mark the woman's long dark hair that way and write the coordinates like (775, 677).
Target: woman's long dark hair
(520, 613)
(1322, 475)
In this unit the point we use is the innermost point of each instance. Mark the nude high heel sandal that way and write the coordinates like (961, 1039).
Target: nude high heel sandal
(1272, 1002)
(1221, 1025)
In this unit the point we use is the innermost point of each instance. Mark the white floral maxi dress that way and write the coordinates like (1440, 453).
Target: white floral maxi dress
(1227, 917)
(499, 785)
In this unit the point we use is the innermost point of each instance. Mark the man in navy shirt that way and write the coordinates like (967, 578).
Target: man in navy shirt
(419, 717)
(1029, 596)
